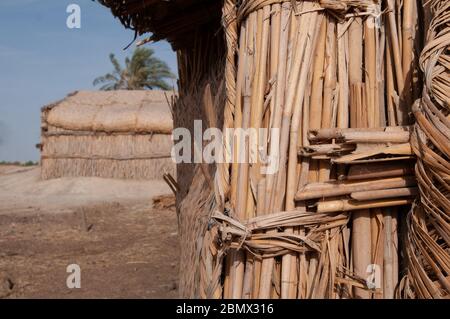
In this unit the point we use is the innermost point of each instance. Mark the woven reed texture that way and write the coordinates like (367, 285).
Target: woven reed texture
(428, 229)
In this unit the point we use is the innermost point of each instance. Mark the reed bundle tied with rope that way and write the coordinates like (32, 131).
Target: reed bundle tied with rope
(336, 79)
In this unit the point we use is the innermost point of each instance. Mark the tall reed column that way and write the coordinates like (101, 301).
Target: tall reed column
(305, 66)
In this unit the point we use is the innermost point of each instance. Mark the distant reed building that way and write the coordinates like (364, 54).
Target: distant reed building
(111, 134)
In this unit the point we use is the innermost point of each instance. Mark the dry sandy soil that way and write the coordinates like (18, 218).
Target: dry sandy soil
(124, 247)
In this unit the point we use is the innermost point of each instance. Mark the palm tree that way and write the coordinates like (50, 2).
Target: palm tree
(142, 71)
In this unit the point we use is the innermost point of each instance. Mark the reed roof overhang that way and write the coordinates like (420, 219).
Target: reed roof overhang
(177, 21)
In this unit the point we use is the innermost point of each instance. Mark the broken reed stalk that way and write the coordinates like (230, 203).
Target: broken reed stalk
(379, 170)
(329, 189)
(390, 134)
(384, 193)
(343, 205)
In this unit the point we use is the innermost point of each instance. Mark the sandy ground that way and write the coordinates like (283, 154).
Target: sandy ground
(21, 187)
(124, 247)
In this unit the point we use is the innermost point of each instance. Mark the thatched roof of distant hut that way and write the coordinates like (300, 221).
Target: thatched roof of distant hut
(175, 20)
(113, 111)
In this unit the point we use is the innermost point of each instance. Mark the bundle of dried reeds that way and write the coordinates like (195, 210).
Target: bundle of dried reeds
(314, 69)
(428, 228)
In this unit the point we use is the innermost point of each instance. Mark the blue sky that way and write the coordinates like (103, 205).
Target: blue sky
(41, 61)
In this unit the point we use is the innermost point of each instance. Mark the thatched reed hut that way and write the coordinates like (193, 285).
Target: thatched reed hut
(338, 78)
(111, 134)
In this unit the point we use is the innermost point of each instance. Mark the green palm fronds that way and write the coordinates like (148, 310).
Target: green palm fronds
(142, 71)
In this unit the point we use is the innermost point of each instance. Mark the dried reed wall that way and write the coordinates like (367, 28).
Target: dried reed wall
(111, 156)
